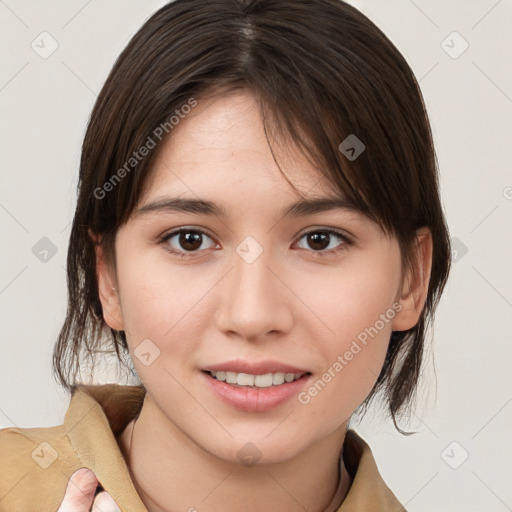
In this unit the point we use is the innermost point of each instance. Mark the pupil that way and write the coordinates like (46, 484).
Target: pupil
(187, 240)
(315, 238)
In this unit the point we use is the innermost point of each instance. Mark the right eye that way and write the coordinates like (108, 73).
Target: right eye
(190, 241)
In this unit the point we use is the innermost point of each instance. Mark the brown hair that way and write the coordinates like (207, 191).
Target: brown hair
(321, 71)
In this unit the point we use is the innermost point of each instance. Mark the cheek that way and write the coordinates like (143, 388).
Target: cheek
(165, 304)
(352, 298)
(362, 305)
(353, 356)
(359, 312)
(154, 303)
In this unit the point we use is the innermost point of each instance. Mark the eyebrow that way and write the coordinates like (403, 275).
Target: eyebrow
(300, 208)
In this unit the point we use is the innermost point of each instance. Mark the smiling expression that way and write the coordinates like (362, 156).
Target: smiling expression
(222, 261)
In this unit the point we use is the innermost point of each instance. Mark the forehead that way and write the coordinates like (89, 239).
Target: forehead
(223, 140)
(219, 162)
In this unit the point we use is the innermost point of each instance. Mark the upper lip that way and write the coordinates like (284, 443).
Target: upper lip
(254, 368)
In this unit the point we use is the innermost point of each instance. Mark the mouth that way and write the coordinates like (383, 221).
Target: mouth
(254, 392)
(248, 380)
(255, 386)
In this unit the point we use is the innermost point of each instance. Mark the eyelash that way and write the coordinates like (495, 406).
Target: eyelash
(346, 241)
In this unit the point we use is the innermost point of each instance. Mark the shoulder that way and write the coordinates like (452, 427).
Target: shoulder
(37, 463)
(35, 466)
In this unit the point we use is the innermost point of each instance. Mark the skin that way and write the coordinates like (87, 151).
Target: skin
(79, 496)
(296, 303)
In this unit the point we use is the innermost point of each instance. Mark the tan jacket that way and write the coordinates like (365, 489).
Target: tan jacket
(37, 463)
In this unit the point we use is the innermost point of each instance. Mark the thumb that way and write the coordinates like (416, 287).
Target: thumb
(105, 503)
(79, 492)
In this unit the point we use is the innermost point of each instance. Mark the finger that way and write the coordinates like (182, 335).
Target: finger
(105, 503)
(79, 492)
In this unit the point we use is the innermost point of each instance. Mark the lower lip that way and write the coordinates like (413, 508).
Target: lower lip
(249, 399)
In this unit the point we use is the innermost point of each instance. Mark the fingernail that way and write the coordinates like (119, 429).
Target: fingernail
(84, 475)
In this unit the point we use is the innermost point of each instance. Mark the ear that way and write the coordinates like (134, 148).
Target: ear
(107, 288)
(414, 290)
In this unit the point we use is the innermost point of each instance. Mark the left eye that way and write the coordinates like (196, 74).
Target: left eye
(318, 238)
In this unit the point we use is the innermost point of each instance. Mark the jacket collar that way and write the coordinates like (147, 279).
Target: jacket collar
(97, 414)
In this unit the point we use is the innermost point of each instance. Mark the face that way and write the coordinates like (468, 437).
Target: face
(315, 294)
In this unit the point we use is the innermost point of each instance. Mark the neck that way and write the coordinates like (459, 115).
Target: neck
(171, 472)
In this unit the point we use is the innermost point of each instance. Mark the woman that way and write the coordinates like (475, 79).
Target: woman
(259, 228)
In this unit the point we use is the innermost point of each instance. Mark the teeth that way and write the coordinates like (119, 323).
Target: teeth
(277, 378)
(230, 377)
(259, 381)
(244, 379)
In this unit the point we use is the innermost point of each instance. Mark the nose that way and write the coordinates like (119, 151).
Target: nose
(255, 299)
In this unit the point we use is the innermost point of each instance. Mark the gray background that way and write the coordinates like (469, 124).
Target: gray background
(465, 403)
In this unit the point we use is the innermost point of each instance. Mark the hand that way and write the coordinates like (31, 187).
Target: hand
(80, 497)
